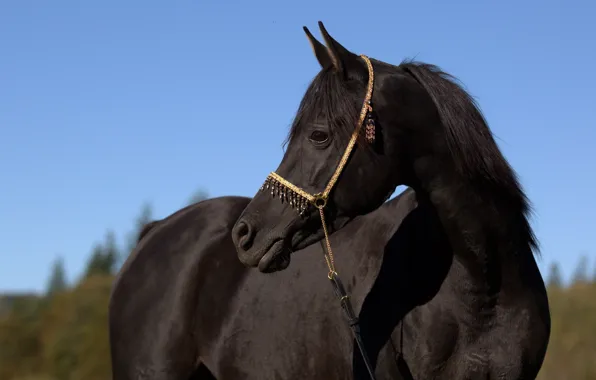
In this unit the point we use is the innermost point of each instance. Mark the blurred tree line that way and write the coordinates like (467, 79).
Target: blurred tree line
(571, 352)
(63, 333)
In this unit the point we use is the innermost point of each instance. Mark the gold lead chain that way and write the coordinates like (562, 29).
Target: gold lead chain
(329, 254)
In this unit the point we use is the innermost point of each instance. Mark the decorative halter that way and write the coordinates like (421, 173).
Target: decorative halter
(300, 199)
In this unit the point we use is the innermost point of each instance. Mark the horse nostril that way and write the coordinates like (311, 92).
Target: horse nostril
(244, 235)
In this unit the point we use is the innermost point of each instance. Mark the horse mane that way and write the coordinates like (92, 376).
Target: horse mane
(471, 143)
(331, 99)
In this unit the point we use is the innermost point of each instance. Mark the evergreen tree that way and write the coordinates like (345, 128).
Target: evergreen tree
(57, 281)
(104, 257)
(97, 262)
(581, 271)
(554, 276)
(145, 217)
(110, 253)
(198, 196)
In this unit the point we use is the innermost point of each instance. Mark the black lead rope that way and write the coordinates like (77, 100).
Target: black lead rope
(346, 305)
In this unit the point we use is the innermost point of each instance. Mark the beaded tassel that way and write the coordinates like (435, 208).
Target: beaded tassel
(369, 126)
(296, 201)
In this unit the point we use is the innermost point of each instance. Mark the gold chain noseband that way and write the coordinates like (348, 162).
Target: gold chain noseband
(300, 199)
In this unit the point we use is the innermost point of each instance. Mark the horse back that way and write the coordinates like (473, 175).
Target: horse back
(152, 311)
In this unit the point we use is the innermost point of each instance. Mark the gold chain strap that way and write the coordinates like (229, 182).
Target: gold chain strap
(329, 254)
(366, 107)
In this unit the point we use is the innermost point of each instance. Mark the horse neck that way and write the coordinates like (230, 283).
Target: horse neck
(486, 228)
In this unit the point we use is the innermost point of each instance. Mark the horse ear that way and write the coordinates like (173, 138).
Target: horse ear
(321, 52)
(343, 59)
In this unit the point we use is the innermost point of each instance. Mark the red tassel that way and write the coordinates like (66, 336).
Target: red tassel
(370, 130)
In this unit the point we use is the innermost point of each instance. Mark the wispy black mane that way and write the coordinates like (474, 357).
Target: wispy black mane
(470, 141)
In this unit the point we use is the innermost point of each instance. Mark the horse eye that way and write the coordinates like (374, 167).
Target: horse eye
(318, 137)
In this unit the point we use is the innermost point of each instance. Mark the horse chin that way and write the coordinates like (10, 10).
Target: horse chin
(277, 258)
(300, 241)
(303, 239)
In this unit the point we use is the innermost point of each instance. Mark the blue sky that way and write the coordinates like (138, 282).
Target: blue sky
(107, 104)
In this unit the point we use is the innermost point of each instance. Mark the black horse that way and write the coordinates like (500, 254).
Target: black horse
(453, 261)
(422, 130)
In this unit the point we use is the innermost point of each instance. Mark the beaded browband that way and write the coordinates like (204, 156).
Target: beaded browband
(300, 199)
